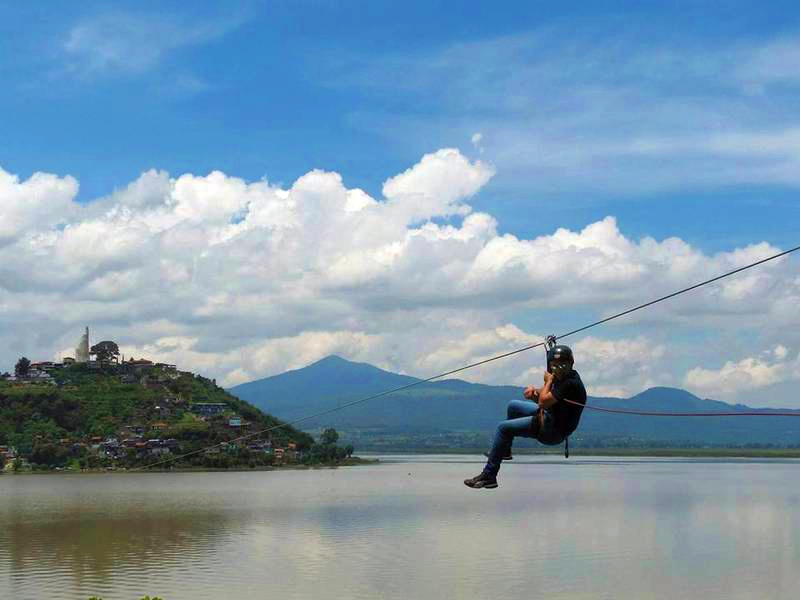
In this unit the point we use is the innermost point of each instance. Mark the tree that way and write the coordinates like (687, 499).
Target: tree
(349, 450)
(105, 352)
(49, 454)
(329, 437)
(22, 367)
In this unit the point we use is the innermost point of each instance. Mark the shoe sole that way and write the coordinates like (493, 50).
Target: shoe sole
(489, 486)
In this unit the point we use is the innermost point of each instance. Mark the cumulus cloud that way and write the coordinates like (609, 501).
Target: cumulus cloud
(240, 280)
(436, 185)
(43, 200)
(746, 376)
(620, 368)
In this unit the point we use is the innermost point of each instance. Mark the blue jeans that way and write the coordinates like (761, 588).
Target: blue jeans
(521, 422)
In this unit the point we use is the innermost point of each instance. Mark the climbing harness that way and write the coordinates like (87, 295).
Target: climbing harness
(511, 353)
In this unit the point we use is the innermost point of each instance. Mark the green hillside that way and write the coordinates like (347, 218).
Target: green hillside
(110, 418)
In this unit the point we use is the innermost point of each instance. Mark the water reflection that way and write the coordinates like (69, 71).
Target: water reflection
(408, 529)
(70, 536)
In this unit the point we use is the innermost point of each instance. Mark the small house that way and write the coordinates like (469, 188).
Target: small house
(208, 409)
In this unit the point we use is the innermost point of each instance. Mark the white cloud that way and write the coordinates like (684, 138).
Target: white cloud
(436, 185)
(38, 203)
(119, 42)
(747, 376)
(240, 280)
(620, 367)
(476, 141)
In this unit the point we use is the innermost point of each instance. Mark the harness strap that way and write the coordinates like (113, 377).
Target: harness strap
(566, 447)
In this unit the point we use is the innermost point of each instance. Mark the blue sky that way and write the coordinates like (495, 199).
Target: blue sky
(676, 119)
(273, 89)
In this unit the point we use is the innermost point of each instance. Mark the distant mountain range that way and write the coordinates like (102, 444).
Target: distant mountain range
(449, 407)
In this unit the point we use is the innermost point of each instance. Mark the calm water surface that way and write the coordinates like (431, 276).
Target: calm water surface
(408, 528)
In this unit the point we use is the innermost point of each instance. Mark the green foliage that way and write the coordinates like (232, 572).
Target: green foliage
(105, 351)
(329, 436)
(50, 454)
(22, 367)
(189, 428)
(51, 425)
(326, 451)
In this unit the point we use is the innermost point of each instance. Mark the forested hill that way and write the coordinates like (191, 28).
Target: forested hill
(111, 417)
(456, 413)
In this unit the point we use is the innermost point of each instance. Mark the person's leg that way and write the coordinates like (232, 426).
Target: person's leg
(507, 430)
(504, 438)
(521, 408)
(515, 410)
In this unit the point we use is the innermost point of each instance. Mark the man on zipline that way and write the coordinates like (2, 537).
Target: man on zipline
(546, 417)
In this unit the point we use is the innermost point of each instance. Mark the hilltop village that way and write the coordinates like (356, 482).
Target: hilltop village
(97, 410)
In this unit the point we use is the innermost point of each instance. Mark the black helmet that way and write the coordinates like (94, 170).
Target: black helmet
(559, 352)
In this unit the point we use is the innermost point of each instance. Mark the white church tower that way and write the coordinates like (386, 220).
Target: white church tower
(82, 351)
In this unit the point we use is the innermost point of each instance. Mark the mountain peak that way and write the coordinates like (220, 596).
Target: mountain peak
(662, 391)
(330, 374)
(331, 359)
(339, 363)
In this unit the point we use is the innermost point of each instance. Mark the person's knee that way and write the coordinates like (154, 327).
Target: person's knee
(511, 409)
(505, 430)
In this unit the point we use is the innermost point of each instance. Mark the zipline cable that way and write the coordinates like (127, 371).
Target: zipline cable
(679, 292)
(488, 360)
(645, 413)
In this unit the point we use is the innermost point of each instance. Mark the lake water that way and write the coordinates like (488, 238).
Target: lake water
(408, 528)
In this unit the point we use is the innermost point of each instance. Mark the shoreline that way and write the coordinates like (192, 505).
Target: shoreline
(374, 459)
(351, 462)
(621, 452)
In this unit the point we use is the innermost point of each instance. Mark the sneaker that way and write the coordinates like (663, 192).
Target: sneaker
(482, 481)
(506, 457)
